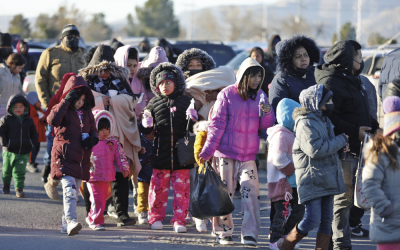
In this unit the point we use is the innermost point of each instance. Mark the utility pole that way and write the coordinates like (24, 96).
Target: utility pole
(298, 17)
(338, 22)
(358, 32)
(265, 22)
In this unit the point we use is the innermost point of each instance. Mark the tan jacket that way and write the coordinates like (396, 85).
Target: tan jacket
(53, 64)
(10, 84)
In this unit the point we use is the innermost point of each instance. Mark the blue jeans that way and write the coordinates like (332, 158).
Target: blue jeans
(319, 212)
(70, 186)
(50, 139)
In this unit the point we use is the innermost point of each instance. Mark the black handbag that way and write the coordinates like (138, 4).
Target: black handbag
(186, 148)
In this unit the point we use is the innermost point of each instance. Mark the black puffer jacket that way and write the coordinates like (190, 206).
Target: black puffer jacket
(160, 107)
(18, 136)
(392, 89)
(349, 97)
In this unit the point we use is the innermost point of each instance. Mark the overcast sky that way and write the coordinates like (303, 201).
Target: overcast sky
(115, 10)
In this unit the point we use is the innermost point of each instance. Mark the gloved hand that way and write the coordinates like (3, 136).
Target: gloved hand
(72, 95)
(192, 113)
(89, 142)
(147, 122)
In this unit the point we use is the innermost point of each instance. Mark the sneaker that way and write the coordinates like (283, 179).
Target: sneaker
(6, 188)
(201, 225)
(91, 225)
(99, 228)
(273, 246)
(19, 193)
(226, 240)
(179, 228)
(189, 219)
(112, 214)
(73, 228)
(143, 218)
(157, 225)
(249, 241)
(32, 167)
(359, 231)
(125, 220)
(213, 234)
(64, 228)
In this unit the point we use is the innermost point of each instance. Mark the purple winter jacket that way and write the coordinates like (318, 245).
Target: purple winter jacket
(233, 132)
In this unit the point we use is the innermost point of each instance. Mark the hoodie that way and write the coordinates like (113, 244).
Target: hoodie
(350, 97)
(106, 153)
(17, 134)
(233, 132)
(121, 60)
(163, 43)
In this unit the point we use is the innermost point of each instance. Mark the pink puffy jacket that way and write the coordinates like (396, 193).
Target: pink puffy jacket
(233, 132)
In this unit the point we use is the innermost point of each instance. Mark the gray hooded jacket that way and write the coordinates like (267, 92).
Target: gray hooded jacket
(315, 158)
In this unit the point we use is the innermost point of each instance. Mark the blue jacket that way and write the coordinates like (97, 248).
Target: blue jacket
(390, 70)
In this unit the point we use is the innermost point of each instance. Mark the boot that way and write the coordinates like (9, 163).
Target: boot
(45, 173)
(291, 240)
(322, 242)
(51, 188)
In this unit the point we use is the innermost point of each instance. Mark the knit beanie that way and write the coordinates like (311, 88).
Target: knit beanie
(165, 75)
(326, 94)
(70, 29)
(391, 107)
(5, 39)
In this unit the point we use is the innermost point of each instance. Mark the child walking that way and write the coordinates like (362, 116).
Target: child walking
(37, 114)
(107, 153)
(18, 136)
(144, 176)
(233, 138)
(168, 110)
(75, 134)
(282, 189)
(319, 174)
(380, 178)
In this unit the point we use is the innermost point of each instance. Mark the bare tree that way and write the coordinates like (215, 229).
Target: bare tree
(289, 26)
(208, 25)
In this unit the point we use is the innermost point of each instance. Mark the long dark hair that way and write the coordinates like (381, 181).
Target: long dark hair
(243, 89)
(383, 145)
(87, 105)
(259, 50)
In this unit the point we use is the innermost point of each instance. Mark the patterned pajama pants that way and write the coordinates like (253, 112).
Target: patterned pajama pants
(246, 172)
(158, 195)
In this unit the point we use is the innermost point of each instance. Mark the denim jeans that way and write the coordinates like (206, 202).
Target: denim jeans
(50, 139)
(342, 204)
(70, 186)
(319, 212)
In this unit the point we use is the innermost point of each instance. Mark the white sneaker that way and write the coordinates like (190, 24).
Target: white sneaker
(273, 246)
(179, 228)
(73, 228)
(64, 228)
(157, 225)
(201, 225)
(99, 228)
(113, 214)
(143, 218)
(91, 225)
(189, 219)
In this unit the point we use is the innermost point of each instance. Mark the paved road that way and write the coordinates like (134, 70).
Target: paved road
(34, 223)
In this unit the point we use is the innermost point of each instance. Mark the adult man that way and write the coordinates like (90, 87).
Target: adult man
(390, 71)
(350, 116)
(53, 64)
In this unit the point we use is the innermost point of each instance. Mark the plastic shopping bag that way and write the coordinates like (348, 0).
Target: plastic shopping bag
(210, 197)
(359, 197)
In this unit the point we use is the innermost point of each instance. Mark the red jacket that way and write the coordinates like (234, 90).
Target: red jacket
(67, 156)
(40, 125)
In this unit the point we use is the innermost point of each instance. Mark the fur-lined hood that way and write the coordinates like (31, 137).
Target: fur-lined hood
(180, 82)
(201, 126)
(309, 100)
(104, 66)
(206, 60)
(144, 73)
(286, 48)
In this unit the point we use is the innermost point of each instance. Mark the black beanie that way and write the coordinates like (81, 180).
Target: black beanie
(70, 29)
(165, 75)
(5, 39)
(355, 44)
(326, 94)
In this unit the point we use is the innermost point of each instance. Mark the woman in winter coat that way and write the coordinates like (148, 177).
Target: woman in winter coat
(258, 54)
(168, 110)
(270, 58)
(23, 49)
(319, 175)
(380, 179)
(296, 57)
(70, 156)
(233, 138)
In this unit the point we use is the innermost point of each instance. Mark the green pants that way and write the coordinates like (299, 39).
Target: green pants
(14, 165)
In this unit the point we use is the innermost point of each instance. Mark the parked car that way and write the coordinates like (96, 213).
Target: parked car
(239, 58)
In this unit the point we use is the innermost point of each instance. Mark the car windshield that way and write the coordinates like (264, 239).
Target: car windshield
(377, 64)
(238, 59)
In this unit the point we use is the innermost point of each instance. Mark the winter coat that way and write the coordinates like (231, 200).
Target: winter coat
(372, 97)
(200, 129)
(318, 169)
(67, 155)
(233, 132)
(381, 187)
(16, 136)
(10, 84)
(156, 56)
(121, 60)
(205, 59)
(390, 70)
(53, 64)
(287, 83)
(146, 172)
(163, 43)
(33, 98)
(392, 89)
(270, 57)
(30, 61)
(108, 154)
(162, 108)
(349, 96)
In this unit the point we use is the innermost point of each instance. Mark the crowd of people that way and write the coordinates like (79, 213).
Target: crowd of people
(112, 121)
